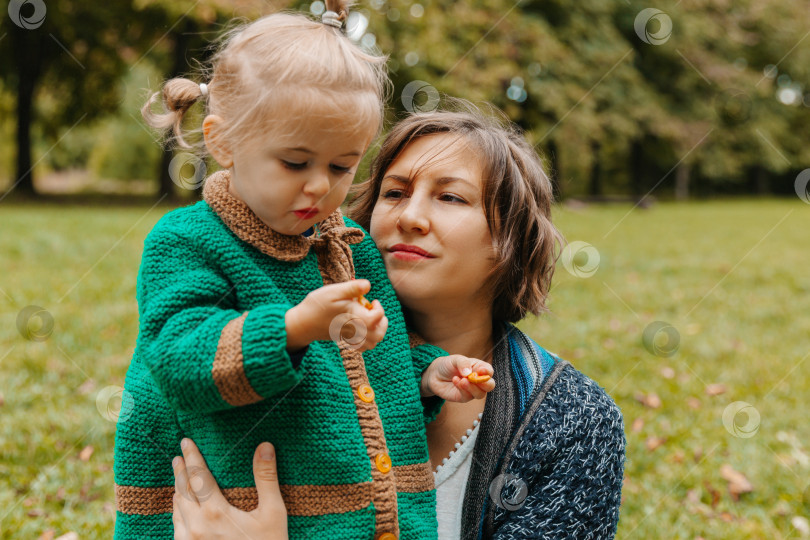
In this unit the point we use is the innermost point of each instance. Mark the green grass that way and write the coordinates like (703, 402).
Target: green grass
(731, 277)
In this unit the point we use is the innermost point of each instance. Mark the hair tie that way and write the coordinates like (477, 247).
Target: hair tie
(204, 89)
(332, 19)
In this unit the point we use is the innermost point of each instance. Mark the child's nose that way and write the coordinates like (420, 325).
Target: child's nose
(317, 186)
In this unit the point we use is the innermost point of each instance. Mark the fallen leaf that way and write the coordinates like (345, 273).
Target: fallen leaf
(638, 424)
(650, 400)
(69, 536)
(693, 402)
(36, 512)
(654, 442)
(86, 452)
(2, 399)
(716, 389)
(47, 535)
(667, 372)
(737, 482)
(801, 524)
(86, 387)
(715, 494)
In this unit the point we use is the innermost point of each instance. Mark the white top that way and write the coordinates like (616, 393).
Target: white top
(451, 483)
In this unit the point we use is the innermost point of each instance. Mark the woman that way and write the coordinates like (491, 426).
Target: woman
(460, 207)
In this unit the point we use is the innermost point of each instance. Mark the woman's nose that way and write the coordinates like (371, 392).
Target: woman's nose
(414, 217)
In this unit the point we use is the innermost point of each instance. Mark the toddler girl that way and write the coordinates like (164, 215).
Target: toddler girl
(252, 324)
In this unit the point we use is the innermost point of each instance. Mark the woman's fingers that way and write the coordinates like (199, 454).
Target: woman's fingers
(265, 473)
(201, 482)
(178, 518)
(181, 483)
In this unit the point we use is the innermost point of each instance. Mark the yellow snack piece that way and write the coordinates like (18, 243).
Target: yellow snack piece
(475, 378)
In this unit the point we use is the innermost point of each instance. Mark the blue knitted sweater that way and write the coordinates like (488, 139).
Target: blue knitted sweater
(549, 457)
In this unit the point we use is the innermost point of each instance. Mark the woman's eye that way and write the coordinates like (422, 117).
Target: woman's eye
(452, 198)
(293, 165)
(392, 194)
(339, 169)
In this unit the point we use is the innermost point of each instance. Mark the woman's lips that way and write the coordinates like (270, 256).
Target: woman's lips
(306, 213)
(408, 252)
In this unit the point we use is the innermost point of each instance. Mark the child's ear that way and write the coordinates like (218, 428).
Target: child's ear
(215, 141)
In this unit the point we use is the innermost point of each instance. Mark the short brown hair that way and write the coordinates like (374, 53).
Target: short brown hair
(517, 196)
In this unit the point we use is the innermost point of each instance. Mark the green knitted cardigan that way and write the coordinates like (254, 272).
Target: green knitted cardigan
(210, 363)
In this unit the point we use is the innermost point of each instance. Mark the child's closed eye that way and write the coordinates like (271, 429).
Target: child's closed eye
(293, 165)
(339, 169)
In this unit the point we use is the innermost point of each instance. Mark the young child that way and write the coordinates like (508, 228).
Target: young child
(252, 324)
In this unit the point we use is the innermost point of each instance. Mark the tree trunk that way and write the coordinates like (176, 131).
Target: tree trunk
(636, 169)
(595, 187)
(27, 55)
(682, 176)
(179, 66)
(761, 180)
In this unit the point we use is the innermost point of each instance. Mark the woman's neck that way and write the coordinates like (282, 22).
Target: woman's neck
(465, 330)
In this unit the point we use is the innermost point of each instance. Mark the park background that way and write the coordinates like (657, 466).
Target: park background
(676, 135)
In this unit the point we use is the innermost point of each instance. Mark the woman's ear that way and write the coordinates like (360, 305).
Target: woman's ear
(215, 141)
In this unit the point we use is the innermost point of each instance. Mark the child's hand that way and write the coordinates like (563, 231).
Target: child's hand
(446, 377)
(335, 312)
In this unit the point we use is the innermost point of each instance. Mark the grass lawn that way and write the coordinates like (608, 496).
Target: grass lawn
(729, 282)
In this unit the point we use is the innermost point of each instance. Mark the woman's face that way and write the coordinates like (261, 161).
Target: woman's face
(430, 226)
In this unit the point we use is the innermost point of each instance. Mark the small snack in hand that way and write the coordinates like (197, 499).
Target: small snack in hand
(475, 378)
(364, 302)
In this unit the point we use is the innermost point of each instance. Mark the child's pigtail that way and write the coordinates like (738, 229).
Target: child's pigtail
(178, 95)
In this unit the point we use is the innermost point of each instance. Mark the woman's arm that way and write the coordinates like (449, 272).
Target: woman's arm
(565, 478)
(201, 511)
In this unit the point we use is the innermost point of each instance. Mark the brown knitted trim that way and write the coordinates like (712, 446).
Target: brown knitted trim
(299, 500)
(144, 501)
(414, 340)
(228, 370)
(336, 265)
(414, 478)
(246, 225)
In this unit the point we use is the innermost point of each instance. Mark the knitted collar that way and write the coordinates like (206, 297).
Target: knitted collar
(246, 225)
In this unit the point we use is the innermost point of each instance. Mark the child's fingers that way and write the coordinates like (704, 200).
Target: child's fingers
(482, 368)
(350, 290)
(487, 386)
(463, 388)
(464, 385)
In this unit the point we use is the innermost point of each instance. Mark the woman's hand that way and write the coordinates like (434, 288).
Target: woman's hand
(335, 312)
(201, 511)
(446, 377)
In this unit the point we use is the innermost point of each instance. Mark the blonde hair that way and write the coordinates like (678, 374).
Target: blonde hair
(517, 197)
(274, 70)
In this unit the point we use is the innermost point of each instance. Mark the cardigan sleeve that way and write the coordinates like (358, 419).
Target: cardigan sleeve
(203, 355)
(565, 479)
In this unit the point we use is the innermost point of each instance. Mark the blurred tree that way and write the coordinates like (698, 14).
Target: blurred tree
(62, 63)
(193, 26)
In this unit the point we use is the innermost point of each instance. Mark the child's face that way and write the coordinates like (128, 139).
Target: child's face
(295, 182)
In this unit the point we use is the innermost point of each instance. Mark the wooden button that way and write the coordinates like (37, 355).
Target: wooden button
(383, 463)
(387, 536)
(365, 393)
